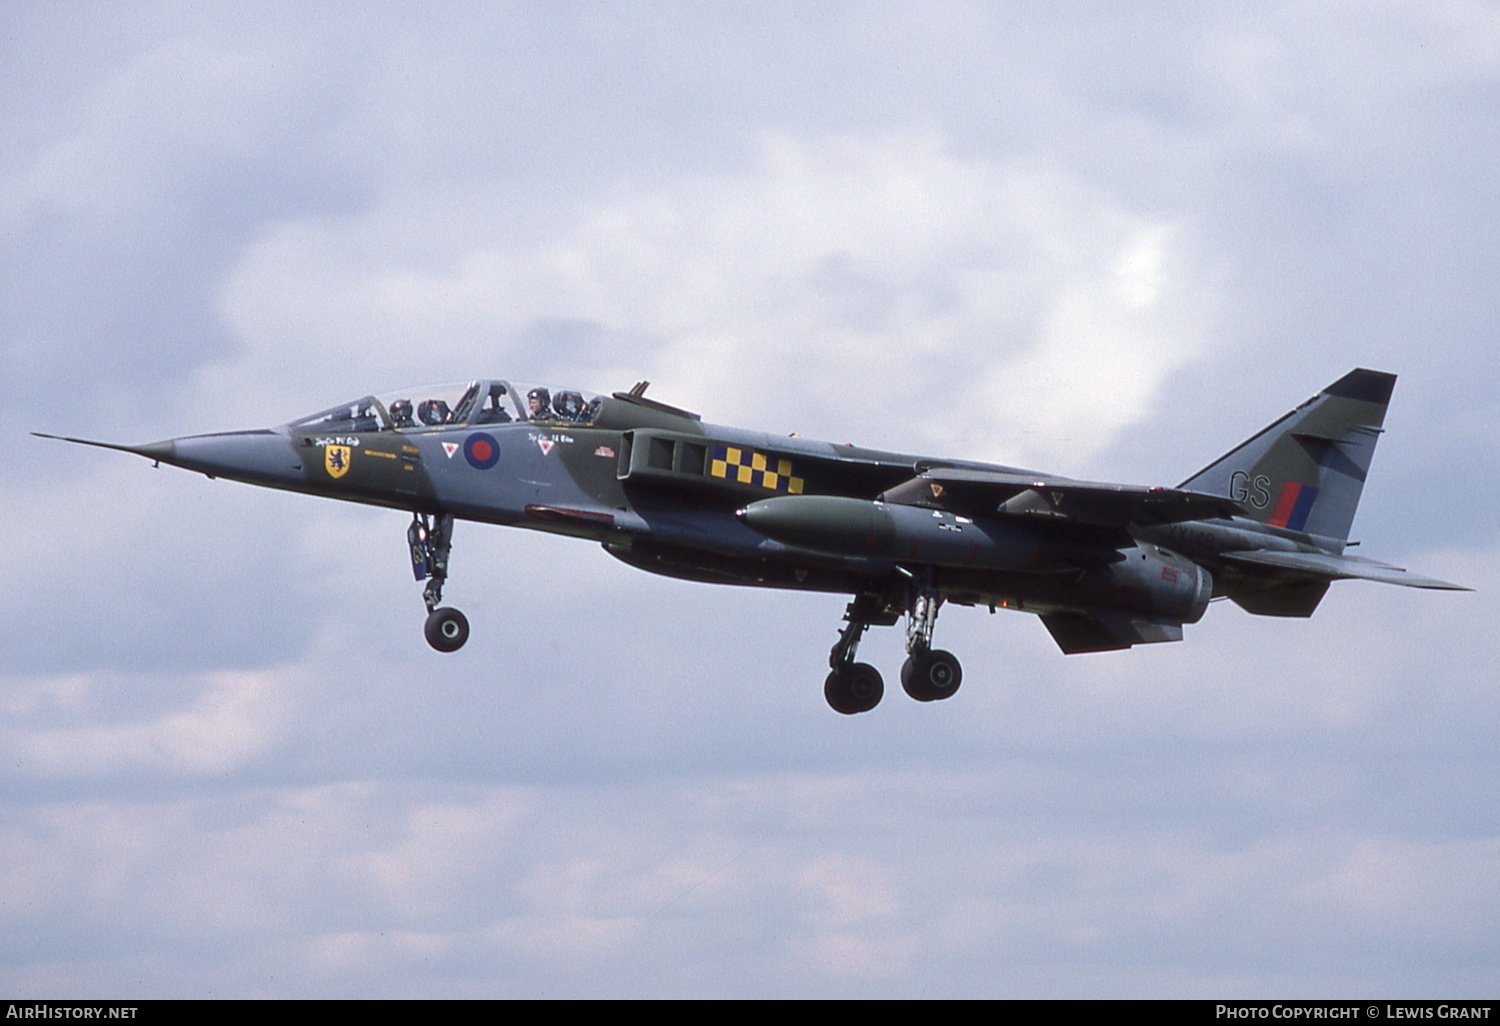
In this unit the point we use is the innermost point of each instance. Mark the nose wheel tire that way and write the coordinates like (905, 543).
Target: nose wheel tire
(931, 676)
(854, 689)
(447, 629)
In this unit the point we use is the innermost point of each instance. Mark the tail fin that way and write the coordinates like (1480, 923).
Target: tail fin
(1305, 472)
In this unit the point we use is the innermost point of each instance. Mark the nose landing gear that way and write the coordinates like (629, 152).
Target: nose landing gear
(430, 540)
(447, 629)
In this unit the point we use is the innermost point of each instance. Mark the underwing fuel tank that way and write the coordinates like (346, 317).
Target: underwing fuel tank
(879, 530)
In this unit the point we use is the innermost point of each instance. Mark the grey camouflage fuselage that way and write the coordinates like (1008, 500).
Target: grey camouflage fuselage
(1104, 566)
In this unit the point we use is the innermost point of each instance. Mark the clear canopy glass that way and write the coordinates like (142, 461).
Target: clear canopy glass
(462, 404)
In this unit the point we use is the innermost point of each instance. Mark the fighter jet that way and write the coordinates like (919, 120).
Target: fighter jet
(1104, 566)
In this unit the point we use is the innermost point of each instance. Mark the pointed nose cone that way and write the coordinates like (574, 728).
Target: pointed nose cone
(162, 452)
(259, 457)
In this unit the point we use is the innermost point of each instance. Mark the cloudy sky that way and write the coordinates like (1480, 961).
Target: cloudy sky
(1105, 240)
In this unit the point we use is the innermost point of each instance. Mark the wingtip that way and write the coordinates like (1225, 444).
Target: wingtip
(1430, 583)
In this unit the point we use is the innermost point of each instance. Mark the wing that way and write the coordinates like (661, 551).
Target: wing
(1336, 568)
(1085, 503)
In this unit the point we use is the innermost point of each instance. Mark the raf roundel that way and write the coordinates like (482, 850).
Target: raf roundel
(481, 450)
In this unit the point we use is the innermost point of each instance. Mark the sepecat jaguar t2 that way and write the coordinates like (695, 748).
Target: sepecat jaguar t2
(1105, 566)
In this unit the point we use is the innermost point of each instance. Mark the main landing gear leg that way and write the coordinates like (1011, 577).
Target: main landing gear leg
(853, 687)
(929, 674)
(431, 539)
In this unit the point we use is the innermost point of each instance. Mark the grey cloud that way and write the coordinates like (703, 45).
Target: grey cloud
(752, 885)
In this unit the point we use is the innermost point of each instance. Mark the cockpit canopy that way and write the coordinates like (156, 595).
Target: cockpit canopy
(456, 405)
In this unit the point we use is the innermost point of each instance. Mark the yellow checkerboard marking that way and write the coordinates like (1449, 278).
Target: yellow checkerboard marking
(754, 468)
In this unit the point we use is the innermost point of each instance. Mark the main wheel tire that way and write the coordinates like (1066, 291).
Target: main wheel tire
(854, 689)
(910, 678)
(931, 676)
(446, 629)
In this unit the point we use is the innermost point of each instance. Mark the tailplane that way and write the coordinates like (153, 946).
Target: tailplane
(1305, 472)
